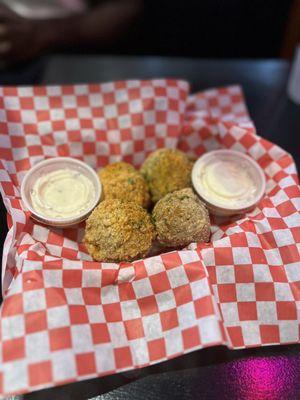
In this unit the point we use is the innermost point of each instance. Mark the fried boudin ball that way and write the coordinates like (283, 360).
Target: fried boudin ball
(118, 231)
(122, 181)
(181, 218)
(165, 171)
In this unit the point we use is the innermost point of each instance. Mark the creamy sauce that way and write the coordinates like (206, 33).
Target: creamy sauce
(227, 182)
(62, 193)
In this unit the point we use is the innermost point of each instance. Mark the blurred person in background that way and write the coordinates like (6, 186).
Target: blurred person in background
(30, 27)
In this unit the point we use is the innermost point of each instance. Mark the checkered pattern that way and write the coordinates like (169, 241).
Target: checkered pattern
(65, 317)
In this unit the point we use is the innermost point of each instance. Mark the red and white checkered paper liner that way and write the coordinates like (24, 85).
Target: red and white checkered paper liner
(66, 318)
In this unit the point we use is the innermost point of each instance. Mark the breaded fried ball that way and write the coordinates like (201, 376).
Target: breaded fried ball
(118, 231)
(181, 218)
(122, 181)
(165, 171)
(116, 168)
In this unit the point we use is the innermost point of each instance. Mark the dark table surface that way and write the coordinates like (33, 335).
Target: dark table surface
(214, 373)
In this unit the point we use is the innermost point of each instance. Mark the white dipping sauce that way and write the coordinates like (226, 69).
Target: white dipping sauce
(62, 193)
(228, 180)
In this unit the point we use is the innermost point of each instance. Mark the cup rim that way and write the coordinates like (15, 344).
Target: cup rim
(237, 154)
(67, 220)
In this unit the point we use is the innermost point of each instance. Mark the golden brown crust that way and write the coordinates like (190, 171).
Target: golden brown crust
(181, 218)
(165, 171)
(122, 181)
(118, 231)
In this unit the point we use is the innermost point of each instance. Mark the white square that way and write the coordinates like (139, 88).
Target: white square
(225, 274)
(117, 334)
(230, 313)
(105, 359)
(91, 278)
(110, 111)
(139, 351)
(72, 124)
(81, 338)
(252, 239)
(34, 300)
(69, 101)
(37, 346)
(52, 278)
(263, 226)
(177, 277)
(186, 315)
(262, 273)
(12, 327)
(279, 197)
(154, 265)
(57, 114)
(28, 117)
(110, 294)
(283, 292)
(266, 312)
(200, 289)
(149, 117)
(188, 256)
(74, 296)
(292, 221)
(15, 376)
(161, 104)
(63, 365)
(121, 96)
(210, 330)
(114, 136)
(124, 121)
(152, 327)
(283, 237)
(245, 292)
(11, 103)
(95, 314)
(173, 118)
(58, 317)
(135, 106)
(241, 255)
(288, 331)
(273, 257)
(130, 310)
(84, 112)
(41, 103)
(44, 127)
(165, 300)
(54, 90)
(293, 272)
(142, 288)
(251, 333)
(173, 341)
(209, 257)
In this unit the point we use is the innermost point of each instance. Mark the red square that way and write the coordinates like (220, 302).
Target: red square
(286, 310)
(32, 280)
(74, 136)
(296, 234)
(227, 292)
(183, 295)
(89, 148)
(171, 260)
(285, 209)
(72, 278)
(17, 141)
(26, 103)
(123, 108)
(55, 102)
(265, 291)
(63, 150)
(204, 307)
(139, 145)
(35, 321)
(295, 287)
(126, 292)
(191, 337)
(195, 271)
(58, 125)
(115, 149)
(211, 269)
(91, 296)
(247, 311)
(13, 349)
(100, 333)
(160, 282)
(236, 336)
(40, 373)
(78, 314)
(169, 319)
(71, 254)
(54, 238)
(278, 273)
(238, 240)
(134, 329)
(289, 254)
(55, 297)
(86, 364)
(244, 273)
(21, 165)
(157, 349)
(257, 255)
(268, 241)
(112, 312)
(123, 357)
(148, 305)
(82, 100)
(12, 305)
(223, 256)
(60, 338)
(269, 334)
